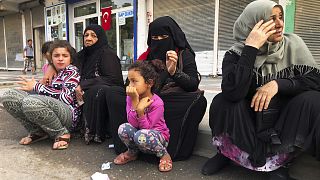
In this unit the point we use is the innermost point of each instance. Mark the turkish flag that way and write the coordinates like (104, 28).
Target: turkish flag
(106, 18)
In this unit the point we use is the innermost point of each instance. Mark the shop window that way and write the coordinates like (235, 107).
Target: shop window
(85, 10)
(116, 3)
(111, 34)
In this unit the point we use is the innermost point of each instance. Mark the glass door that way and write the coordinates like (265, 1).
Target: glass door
(79, 27)
(78, 37)
(126, 42)
(84, 14)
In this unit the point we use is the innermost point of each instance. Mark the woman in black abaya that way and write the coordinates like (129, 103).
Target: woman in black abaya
(101, 88)
(184, 106)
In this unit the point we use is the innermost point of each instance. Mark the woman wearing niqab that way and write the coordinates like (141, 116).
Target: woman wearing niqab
(184, 110)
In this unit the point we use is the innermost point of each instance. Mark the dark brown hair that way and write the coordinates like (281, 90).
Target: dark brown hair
(62, 44)
(149, 70)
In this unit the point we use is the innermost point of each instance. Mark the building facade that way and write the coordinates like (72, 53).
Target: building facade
(20, 20)
(208, 25)
(68, 19)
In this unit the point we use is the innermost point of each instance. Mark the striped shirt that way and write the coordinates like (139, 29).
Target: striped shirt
(63, 88)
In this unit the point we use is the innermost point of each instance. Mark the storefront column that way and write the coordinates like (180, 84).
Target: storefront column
(289, 7)
(142, 27)
(215, 39)
(5, 42)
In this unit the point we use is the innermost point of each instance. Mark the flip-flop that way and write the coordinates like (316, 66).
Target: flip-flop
(123, 159)
(165, 165)
(34, 138)
(58, 139)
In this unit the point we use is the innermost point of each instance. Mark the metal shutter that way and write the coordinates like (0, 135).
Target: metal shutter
(307, 25)
(195, 17)
(229, 11)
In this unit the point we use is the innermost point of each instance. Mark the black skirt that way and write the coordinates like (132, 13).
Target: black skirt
(298, 126)
(105, 110)
(183, 111)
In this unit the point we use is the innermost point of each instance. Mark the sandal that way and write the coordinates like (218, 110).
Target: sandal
(61, 147)
(165, 165)
(124, 158)
(32, 138)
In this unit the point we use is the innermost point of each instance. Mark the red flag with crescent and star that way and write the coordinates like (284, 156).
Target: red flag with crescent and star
(106, 18)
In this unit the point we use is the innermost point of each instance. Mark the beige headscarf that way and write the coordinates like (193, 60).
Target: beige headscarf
(274, 60)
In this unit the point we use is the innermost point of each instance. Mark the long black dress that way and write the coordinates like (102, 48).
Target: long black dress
(298, 126)
(183, 110)
(104, 94)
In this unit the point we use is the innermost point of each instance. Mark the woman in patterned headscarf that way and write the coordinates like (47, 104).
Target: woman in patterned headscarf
(267, 75)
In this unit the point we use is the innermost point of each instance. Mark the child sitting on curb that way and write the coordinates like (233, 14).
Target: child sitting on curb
(146, 130)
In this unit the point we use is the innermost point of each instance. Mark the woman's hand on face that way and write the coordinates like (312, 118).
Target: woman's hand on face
(171, 62)
(264, 95)
(79, 93)
(260, 33)
(49, 75)
(27, 85)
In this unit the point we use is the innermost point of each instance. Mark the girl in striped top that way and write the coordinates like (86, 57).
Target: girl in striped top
(53, 111)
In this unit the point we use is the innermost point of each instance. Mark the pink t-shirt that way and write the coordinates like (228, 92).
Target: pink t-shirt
(153, 118)
(45, 67)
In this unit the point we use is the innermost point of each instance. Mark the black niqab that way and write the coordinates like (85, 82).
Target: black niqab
(177, 40)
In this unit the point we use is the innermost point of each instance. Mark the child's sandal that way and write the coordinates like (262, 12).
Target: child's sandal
(124, 159)
(32, 138)
(62, 147)
(165, 165)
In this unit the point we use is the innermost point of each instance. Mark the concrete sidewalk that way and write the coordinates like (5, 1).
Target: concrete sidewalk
(210, 85)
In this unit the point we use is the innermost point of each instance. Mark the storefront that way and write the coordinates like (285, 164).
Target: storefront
(120, 36)
(56, 22)
(208, 25)
(20, 21)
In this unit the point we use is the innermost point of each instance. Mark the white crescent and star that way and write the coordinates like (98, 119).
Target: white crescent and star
(105, 18)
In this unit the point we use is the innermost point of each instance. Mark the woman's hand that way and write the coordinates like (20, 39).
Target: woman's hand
(133, 94)
(49, 75)
(171, 62)
(143, 104)
(260, 33)
(27, 85)
(264, 95)
(79, 93)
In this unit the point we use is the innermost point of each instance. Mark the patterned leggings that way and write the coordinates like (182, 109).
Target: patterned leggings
(145, 140)
(37, 113)
(28, 62)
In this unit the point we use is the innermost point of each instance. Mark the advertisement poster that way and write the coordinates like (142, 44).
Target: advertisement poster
(56, 22)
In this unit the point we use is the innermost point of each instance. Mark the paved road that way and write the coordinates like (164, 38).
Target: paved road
(80, 161)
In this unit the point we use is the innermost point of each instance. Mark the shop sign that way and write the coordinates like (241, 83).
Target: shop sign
(125, 14)
(121, 21)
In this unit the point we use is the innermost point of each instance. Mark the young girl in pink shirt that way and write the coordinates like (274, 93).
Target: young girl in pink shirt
(146, 130)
